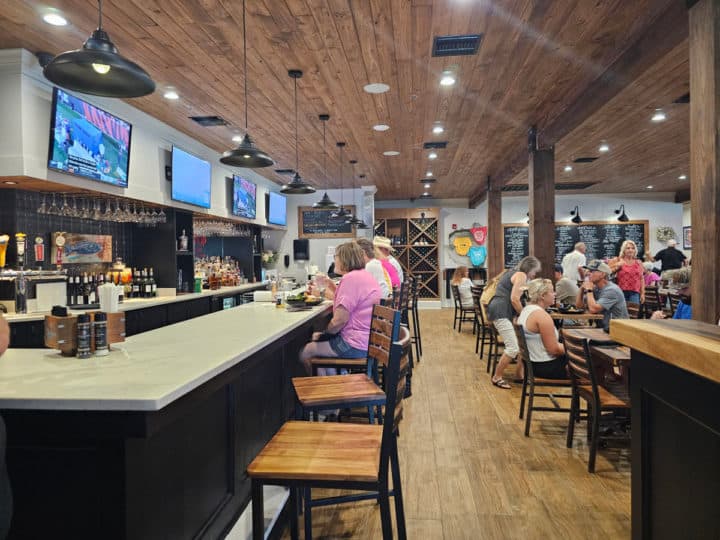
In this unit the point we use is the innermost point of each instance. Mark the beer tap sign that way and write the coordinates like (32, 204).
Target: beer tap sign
(39, 249)
(59, 241)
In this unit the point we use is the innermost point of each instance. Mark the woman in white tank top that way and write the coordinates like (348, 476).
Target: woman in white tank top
(546, 352)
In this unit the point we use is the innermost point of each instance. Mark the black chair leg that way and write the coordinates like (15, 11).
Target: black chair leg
(416, 313)
(397, 490)
(293, 513)
(384, 499)
(574, 406)
(528, 417)
(594, 441)
(455, 317)
(522, 397)
(258, 510)
(308, 514)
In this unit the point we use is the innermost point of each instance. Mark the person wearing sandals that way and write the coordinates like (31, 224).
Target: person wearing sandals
(503, 307)
(546, 352)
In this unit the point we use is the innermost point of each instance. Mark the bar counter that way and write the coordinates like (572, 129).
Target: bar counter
(151, 441)
(675, 391)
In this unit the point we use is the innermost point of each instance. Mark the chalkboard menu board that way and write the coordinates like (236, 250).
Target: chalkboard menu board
(602, 239)
(317, 223)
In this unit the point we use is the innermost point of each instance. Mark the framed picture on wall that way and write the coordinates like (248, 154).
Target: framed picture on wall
(687, 237)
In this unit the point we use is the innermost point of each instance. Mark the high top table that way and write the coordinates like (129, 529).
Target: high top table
(675, 392)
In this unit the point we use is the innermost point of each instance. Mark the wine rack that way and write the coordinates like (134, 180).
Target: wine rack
(414, 234)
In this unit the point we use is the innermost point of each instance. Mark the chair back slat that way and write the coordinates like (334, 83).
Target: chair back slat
(524, 351)
(652, 299)
(580, 363)
(394, 378)
(384, 330)
(633, 310)
(456, 295)
(674, 301)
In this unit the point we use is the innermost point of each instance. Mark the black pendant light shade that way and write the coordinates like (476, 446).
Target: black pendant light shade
(297, 186)
(99, 69)
(246, 155)
(326, 202)
(341, 212)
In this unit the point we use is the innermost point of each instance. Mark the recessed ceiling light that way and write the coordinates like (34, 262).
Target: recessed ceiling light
(171, 94)
(391, 153)
(55, 19)
(428, 174)
(649, 187)
(447, 79)
(604, 148)
(376, 88)
(567, 168)
(381, 127)
(659, 116)
(426, 194)
(427, 186)
(432, 155)
(437, 130)
(237, 138)
(682, 177)
(10, 182)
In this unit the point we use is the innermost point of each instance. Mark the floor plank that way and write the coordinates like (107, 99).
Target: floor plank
(469, 472)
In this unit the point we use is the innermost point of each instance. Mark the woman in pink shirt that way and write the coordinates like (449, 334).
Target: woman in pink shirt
(348, 332)
(650, 277)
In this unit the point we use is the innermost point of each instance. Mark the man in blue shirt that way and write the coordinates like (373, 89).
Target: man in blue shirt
(601, 295)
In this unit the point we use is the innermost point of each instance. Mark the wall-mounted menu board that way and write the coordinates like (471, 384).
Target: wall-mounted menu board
(317, 223)
(602, 239)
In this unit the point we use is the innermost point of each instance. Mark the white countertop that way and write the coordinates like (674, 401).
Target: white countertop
(149, 370)
(140, 303)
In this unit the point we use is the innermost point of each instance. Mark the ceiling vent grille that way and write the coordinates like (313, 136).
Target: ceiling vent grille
(285, 171)
(584, 160)
(456, 45)
(685, 98)
(515, 187)
(209, 121)
(428, 181)
(567, 186)
(435, 145)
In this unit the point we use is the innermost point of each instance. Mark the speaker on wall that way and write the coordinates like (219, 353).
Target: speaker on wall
(301, 249)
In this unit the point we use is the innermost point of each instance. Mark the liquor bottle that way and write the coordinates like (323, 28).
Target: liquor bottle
(69, 291)
(92, 292)
(136, 283)
(77, 289)
(127, 285)
(147, 284)
(85, 289)
(153, 285)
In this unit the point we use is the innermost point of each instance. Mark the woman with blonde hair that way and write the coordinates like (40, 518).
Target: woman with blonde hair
(545, 350)
(629, 272)
(462, 281)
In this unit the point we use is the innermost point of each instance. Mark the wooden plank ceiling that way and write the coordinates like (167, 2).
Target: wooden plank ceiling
(536, 58)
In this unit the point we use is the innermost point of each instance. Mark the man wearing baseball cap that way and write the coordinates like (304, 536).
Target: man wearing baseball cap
(601, 295)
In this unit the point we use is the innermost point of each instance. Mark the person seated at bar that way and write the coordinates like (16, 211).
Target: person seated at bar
(629, 272)
(375, 267)
(565, 289)
(649, 276)
(546, 352)
(461, 279)
(387, 265)
(348, 332)
(385, 248)
(600, 295)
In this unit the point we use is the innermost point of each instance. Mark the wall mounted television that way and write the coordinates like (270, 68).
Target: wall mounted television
(87, 141)
(243, 197)
(191, 178)
(276, 209)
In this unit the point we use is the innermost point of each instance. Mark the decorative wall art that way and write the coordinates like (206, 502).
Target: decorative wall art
(74, 248)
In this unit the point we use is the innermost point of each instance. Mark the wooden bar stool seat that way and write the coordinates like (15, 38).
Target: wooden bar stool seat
(338, 363)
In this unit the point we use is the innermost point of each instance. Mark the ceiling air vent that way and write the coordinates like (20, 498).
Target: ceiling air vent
(584, 160)
(515, 187)
(285, 171)
(209, 121)
(428, 181)
(423, 196)
(456, 45)
(685, 98)
(435, 145)
(567, 186)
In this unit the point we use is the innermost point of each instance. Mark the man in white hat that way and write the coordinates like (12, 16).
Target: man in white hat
(670, 257)
(385, 246)
(602, 295)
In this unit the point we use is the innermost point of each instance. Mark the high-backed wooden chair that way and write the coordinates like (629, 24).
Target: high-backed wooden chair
(585, 385)
(495, 343)
(484, 334)
(358, 389)
(530, 382)
(652, 301)
(307, 455)
(462, 314)
(415, 316)
(633, 310)
(674, 301)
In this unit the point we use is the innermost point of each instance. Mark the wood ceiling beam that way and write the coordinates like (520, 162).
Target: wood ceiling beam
(667, 32)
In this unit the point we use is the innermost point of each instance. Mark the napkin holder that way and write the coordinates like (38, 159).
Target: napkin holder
(61, 332)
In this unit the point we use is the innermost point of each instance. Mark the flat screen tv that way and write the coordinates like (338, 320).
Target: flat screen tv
(87, 141)
(244, 193)
(277, 209)
(190, 178)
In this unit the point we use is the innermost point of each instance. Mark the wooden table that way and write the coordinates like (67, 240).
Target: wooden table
(584, 316)
(617, 356)
(595, 334)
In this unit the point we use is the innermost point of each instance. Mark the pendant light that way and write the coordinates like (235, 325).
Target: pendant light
(341, 212)
(99, 69)
(297, 185)
(352, 218)
(326, 201)
(361, 224)
(576, 213)
(623, 216)
(246, 155)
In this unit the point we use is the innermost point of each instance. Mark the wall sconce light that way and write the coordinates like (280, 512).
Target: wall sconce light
(623, 215)
(576, 216)
(528, 218)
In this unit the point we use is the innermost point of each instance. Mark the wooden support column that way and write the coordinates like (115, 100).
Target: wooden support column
(495, 230)
(541, 183)
(704, 36)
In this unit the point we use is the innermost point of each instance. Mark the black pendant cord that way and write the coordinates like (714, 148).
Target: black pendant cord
(342, 199)
(324, 153)
(297, 158)
(245, 68)
(100, 15)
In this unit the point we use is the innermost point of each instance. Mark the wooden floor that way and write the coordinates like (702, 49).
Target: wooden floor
(469, 472)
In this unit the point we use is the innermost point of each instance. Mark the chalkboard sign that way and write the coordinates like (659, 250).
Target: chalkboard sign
(317, 223)
(602, 239)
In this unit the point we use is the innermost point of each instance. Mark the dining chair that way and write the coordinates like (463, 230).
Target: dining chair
(633, 310)
(674, 301)
(585, 385)
(462, 314)
(358, 457)
(484, 333)
(416, 336)
(530, 382)
(652, 301)
(494, 343)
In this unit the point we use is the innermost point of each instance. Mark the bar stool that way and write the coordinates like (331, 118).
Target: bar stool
(416, 336)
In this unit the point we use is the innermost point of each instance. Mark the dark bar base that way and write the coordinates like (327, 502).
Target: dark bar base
(675, 452)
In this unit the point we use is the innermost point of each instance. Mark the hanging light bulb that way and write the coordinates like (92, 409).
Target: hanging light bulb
(246, 155)
(297, 186)
(326, 201)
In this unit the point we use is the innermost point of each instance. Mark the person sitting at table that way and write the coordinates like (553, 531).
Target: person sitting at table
(384, 245)
(375, 267)
(683, 309)
(348, 332)
(461, 279)
(565, 288)
(649, 276)
(629, 272)
(601, 295)
(546, 352)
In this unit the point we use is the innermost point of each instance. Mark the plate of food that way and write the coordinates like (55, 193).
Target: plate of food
(303, 299)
